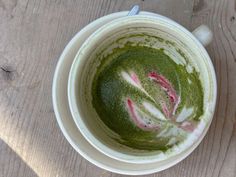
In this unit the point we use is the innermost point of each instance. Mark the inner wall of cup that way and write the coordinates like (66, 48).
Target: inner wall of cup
(174, 45)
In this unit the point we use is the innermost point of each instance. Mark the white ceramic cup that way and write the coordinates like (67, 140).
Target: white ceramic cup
(101, 42)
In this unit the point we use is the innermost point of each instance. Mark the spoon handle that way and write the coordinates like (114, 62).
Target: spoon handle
(134, 10)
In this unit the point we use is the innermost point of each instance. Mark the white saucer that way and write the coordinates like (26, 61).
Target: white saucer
(67, 125)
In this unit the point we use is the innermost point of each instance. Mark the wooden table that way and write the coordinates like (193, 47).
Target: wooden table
(33, 34)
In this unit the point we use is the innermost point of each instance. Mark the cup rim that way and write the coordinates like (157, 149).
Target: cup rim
(72, 79)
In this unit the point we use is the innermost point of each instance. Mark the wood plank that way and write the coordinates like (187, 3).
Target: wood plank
(34, 33)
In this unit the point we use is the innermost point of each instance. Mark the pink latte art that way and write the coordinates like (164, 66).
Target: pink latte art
(140, 118)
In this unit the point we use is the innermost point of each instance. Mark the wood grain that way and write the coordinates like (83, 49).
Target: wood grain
(34, 33)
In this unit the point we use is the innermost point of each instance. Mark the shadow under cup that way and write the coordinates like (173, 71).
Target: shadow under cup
(178, 44)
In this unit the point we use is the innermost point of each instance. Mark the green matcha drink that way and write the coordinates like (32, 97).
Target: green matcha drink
(146, 98)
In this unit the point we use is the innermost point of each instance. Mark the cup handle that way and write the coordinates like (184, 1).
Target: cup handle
(203, 34)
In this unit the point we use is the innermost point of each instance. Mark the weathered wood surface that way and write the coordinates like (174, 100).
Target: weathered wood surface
(33, 33)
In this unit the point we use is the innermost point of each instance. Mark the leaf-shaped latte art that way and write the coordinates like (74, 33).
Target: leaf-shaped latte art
(144, 120)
